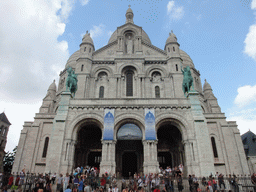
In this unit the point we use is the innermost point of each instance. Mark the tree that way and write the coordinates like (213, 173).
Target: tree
(8, 160)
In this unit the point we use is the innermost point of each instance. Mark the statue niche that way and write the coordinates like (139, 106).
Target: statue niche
(129, 45)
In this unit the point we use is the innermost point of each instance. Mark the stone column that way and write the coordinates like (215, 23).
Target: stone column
(143, 87)
(151, 164)
(188, 158)
(87, 87)
(108, 163)
(71, 156)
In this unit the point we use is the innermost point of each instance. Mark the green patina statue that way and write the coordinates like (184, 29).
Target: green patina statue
(187, 80)
(71, 82)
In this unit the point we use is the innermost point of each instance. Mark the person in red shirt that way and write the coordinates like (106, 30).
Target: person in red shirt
(156, 189)
(103, 182)
(10, 182)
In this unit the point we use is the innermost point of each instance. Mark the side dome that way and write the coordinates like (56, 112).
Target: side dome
(187, 61)
(53, 86)
(72, 59)
(171, 39)
(87, 39)
(207, 86)
(144, 37)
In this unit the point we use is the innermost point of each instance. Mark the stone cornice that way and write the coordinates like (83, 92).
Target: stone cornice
(103, 62)
(156, 62)
(92, 107)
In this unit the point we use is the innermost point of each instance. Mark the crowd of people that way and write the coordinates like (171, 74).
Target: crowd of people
(88, 180)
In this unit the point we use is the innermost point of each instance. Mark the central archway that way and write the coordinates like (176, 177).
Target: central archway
(88, 148)
(129, 150)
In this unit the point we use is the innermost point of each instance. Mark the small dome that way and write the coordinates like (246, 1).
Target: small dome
(144, 37)
(171, 39)
(207, 86)
(187, 61)
(129, 10)
(87, 38)
(52, 86)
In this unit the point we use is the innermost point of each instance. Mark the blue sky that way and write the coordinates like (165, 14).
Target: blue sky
(37, 37)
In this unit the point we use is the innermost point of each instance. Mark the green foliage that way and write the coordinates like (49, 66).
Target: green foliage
(8, 160)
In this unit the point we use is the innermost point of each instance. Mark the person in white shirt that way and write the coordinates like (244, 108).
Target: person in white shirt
(115, 189)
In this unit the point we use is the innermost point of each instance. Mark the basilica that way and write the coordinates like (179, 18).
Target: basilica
(129, 114)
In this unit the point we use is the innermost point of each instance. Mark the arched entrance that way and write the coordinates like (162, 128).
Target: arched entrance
(170, 148)
(129, 150)
(88, 148)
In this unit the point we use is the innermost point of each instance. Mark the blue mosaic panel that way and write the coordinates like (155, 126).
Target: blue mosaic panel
(150, 131)
(109, 122)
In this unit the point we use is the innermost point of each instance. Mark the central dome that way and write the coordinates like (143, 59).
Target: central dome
(144, 37)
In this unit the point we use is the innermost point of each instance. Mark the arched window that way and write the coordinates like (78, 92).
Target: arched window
(90, 50)
(129, 83)
(157, 91)
(168, 49)
(46, 142)
(82, 67)
(173, 48)
(1, 128)
(101, 93)
(84, 49)
(214, 148)
(177, 69)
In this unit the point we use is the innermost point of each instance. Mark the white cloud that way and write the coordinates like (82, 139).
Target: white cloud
(31, 56)
(246, 95)
(84, 2)
(244, 110)
(250, 40)
(97, 30)
(99, 34)
(245, 121)
(174, 12)
(253, 5)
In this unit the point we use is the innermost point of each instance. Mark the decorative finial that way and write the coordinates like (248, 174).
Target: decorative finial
(170, 34)
(129, 5)
(87, 32)
(172, 31)
(205, 80)
(54, 80)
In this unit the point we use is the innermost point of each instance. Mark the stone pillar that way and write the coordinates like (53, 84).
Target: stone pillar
(151, 164)
(71, 156)
(202, 148)
(143, 87)
(188, 158)
(56, 141)
(108, 163)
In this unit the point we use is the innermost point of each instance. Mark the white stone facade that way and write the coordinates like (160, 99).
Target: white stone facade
(155, 82)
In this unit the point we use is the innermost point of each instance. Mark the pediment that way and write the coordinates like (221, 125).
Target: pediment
(108, 51)
(152, 51)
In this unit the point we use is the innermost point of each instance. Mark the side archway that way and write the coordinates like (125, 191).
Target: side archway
(87, 134)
